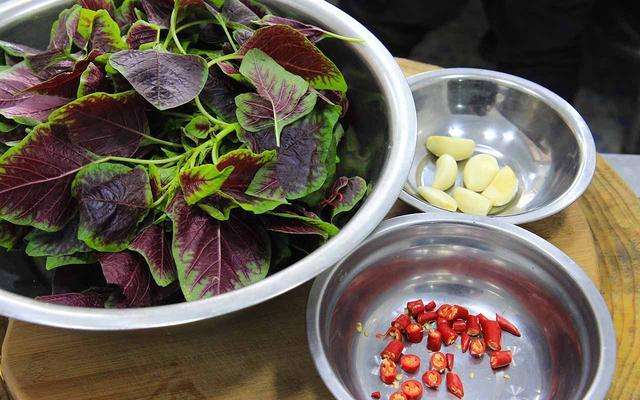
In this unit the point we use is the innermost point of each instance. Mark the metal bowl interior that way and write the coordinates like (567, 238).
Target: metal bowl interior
(539, 135)
(381, 132)
(567, 348)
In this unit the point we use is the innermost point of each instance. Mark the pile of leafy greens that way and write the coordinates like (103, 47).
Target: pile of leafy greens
(183, 149)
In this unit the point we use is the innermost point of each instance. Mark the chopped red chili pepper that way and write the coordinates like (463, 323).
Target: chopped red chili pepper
(434, 340)
(375, 395)
(401, 322)
(398, 396)
(454, 385)
(441, 320)
(473, 325)
(491, 332)
(412, 389)
(427, 316)
(430, 306)
(448, 335)
(393, 351)
(394, 333)
(415, 307)
(465, 339)
(500, 359)
(415, 333)
(388, 371)
(455, 312)
(507, 326)
(450, 361)
(459, 326)
(443, 310)
(410, 363)
(432, 379)
(477, 347)
(438, 362)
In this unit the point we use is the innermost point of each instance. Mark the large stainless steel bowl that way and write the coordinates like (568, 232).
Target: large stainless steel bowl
(382, 114)
(567, 349)
(534, 131)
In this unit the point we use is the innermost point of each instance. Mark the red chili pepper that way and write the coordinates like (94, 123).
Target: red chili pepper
(432, 379)
(448, 335)
(398, 396)
(388, 371)
(434, 340)
(473, 326)
(415, 333)
(438, 362)
(410, 363)
(415, 307)
(443, 310)
(491, 332)
(401, 322)
(375, 395)
(427, 316)
(465, 339)
(454, 385)
(441, 320)
(507, 326)
(430, 306)
(394, 333)
(477, 347)
(393, 351)
(459, 326)
(500, 359)
(412, 390)
(450, 361)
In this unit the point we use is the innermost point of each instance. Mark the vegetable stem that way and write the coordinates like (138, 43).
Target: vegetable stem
(213, 119)
(140, 161)
(226, 57)
(344, 38)
(226, 31)
(192, 23)
(172, 30)
(160, 141)
(218, 139)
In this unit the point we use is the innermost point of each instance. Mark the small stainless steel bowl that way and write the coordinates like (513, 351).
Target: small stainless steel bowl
(534, 131)
(567, 349)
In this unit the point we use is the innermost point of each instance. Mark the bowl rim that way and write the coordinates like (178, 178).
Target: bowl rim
(569, 115)
(598, 387)
(402, 139)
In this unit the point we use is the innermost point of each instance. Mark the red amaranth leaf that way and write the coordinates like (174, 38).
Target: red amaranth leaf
(106, 124)
(93, 80)
(105, 36)
(96, 5)
(202, 181)
(158, 11)
(294, 220)
(35, 180)
(91, 298)
(219, 93)
(142, 32)
(345, 194)
(293, 51)
(153, 245)
(215, 257)
(127, 270)
(311, 32)
(11, 234)
(66, 83)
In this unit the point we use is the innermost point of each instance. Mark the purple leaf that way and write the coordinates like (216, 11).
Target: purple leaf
(256, 7)
(166, 80)
(313, 33)
(142, 32)
(96, 5)
(218, 206)
(61, 243)
(282, 97)
(105, 36)
(65, 84)
(106, 124)
(126, 13)
(92, 80)
(49, 63)
(236, 11)
(202, 181)
(242, 35)
(298, 221)
(219, 93)
(11, 234)
(215, 257)
(153, 245)
(35, 180)
(345, 194)
(127, 270)
(113, 199)
(91, 298)
(245, 165)
(158, 11)
(293, 51)
(300, 166)
(17, 50)
(61, 38)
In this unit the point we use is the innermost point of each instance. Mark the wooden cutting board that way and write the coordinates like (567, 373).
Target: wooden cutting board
(261, 353)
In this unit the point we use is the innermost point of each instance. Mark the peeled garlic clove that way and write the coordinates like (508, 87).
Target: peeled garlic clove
(438, 198)
(446, 172)
(480, 171)
(470, 202)
(458, 148)
(503, 187)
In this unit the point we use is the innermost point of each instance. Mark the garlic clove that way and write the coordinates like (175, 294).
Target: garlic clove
(480, 171)
(458, 148)
(503, 187)
(470, 202)
(438, 198)
(446, 172)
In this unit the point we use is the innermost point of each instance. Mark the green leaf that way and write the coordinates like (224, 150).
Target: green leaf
(61, 243)
(113, 199)
(202, 181)
(11, 234)
(198, 128)
(282, 98)
(105, 36)
(84, 27)
(75, 259)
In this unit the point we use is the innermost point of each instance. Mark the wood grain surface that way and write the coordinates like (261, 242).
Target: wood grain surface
(261, 353)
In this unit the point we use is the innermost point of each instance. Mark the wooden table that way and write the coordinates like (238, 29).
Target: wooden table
(261, 353)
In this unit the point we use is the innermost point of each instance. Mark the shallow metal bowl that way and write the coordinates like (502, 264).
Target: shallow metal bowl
(567, 349)
(534, 131)
(382, 115)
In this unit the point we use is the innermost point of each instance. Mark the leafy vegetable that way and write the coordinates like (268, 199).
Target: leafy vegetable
(159, 151)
